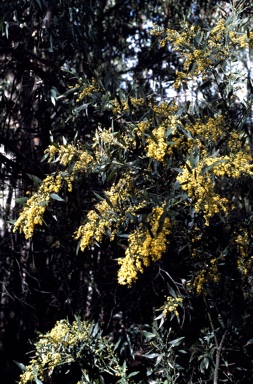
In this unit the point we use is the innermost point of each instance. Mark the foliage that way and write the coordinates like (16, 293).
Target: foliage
(171, 182)
(46, 46)
(76, 349)
(165, 352)
(147, 180)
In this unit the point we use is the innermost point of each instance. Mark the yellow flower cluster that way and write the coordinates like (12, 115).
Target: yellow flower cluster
(200, 59)
(50, 350)
(137, 101)
(200, 188)
(144, 246)
(171, 305)
(242, 242)
(241, 40)
(199, 182)
(244, 261)
(104, 139)
(233, 166)
(104, 219)
(64, 333)
(157, 145)
(66, 154)
(34, 371)
(211, 130)
(200, 134)
(69, 153)
(63, 345)
(172, 35)
(127, 105)
(165, 110)
(52, 150)
(84, 159)
(217, 32)
(180, 42)
(31, 215)
(35, 207)
(119, 107)
(208, 275)
(213, 46)
(181, 77)
(87, 89)
(235, 143)
(95, 228)
(141, 127)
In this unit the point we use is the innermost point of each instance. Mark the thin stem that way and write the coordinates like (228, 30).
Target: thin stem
(217, 360)
(218, 345)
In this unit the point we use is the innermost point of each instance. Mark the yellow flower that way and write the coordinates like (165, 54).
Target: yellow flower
(171, 305)
(143, 248)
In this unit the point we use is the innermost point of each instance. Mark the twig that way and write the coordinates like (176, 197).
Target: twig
(217, 360)
(218, 345)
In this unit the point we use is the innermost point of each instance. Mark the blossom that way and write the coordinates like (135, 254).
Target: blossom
(144, 246)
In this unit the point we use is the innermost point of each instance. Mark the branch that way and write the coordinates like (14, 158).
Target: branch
(217, 360)
(218, 345)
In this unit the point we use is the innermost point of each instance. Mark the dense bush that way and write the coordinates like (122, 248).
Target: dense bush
(157, 193)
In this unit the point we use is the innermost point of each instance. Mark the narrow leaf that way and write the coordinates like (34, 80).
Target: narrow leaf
(98, 196)
(36, 180)
(148, 335)
(20, 365)
(132, 374)
(54, 196)
(21, 200)
(176, 341)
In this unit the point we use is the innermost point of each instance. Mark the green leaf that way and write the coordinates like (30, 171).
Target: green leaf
(132, 374)
(43, 203)
(37, 381)
(81, 107)
(78, 247)
(171, 291)
(20, 365)
(101, 380)
(46, 155)
(39, 3)
(109, 201)
(148, 335)
(98, 196)
(53, 95)
(158, 360)
(116, 346)
(199, 38)
(78, 320)
(36, 180)
(191, 118)
(249, 342)
(151, 355)
(194, 159)
(21, 200)
(161, 220)
(186, 133)
(6, 29)
(54, 196)
(69, 92)
(188, 167)
(176, 342)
